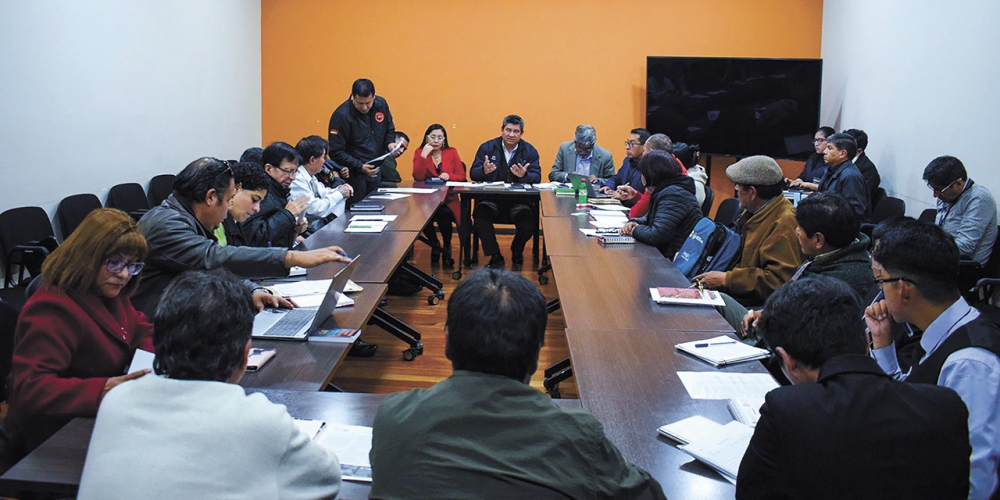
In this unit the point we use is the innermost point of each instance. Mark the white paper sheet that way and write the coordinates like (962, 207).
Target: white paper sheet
(351, 443)
(366, 227)
(410, 190)
(718, 385)
(387, 196)
(315, 300)
(385, 218)
(142, 359)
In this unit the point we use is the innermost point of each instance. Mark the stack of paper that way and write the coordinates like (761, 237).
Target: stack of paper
(366, 226)
(722, 350)
(351, 443)
(691, 429)
(607, 218)
(686, 296)
(724, 449)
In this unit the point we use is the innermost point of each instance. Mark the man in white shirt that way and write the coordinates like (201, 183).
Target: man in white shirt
(916, 264)
(325, 204)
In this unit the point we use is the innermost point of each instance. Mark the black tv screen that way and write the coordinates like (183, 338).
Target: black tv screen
(735, 106)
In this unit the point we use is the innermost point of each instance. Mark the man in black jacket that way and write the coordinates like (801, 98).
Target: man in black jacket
(505, 159)
(277, 223)
(361, 130)
(845, 429)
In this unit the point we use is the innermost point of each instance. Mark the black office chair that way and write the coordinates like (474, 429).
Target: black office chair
(928, 215)
(73, 209)
(160, 188)
(26, 238)
(877, 196)
(706, 206)
(129, 198)
(887, 208)
(727, 211)
(978, 282)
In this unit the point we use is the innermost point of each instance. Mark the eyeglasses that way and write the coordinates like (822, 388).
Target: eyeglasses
(115, 266)
(819, 141)
(632, 144)
(939, 191)
(435, 137)
(289, 171)
(882, 282)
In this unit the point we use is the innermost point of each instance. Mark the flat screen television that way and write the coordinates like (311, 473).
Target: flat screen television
(736, 106)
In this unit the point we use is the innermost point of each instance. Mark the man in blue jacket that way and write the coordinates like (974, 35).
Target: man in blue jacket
(508, 159)
(628, 174)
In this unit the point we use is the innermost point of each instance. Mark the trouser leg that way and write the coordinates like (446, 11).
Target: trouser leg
(482, 220)
(444, 220)
(524, 227)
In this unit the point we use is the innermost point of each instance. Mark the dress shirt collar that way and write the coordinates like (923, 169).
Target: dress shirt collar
(849, 363)
(956, 315)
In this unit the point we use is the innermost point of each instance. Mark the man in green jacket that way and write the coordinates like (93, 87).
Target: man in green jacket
(484, 432)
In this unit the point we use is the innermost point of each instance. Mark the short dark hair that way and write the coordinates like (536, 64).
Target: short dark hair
(251, 176)
(944, 170)
(828, 213)
(202, 325)
(844, 142)
(658, 166)
(253, 155)
(402, 135)
(362, 87)
(924, 253)
(660, 142)
(496, 324)
(686, 153)
(201, 176)
(311, 147)
(512, 120)
(278, 152)
(879, 230)
(827, 131)
(860, 137)
(813, 320)
(642, 133)
(433, 127)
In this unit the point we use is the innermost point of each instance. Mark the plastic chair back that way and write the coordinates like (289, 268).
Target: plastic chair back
(706, 206)
(128, 197)
(159, 188)
(73, 209)
(727, 211)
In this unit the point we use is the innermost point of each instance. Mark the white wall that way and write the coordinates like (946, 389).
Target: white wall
(100, 92)
(920, 78)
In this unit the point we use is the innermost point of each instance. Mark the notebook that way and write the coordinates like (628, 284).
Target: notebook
(746, 409)
(610, 239)
(722, 350)
(724, 450)
(691, 429)
(296, 324)
(367, 206)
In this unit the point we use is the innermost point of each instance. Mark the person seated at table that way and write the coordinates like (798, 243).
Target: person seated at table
(845, 429)
(484, 432)
(673, 210)
(830, 238)
(280, 220)
(583, 156)
(508, 159)
(78, 331)
(628, 174)
(252, 183)
(771, 253)
(325, 204)
(815, 167)
(190, 431)
(437, 160)
(389, 169)
(253, 155)
(656, 142)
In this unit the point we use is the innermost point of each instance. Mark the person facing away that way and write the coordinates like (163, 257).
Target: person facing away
(484, 432)
(191, 431)
(916, 265)
(510, 159)
(361, 130)
(583, 156)
(628, 174)
(845, 429)
(673, 210)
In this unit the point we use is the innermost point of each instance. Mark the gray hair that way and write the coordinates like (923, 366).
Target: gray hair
(659, 142)
(585, 135)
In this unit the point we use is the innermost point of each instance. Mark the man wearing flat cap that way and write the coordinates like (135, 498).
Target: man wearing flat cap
(767, 224)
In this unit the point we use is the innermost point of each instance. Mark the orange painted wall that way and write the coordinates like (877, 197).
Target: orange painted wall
(468, 63)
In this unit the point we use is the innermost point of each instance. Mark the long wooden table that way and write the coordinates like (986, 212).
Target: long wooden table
(56, 466)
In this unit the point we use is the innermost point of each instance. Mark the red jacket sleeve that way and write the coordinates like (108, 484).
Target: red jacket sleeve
(452, 164)
(423, 168)
(641, 207)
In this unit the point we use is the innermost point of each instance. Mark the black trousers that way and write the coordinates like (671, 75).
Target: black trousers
(443, 218)
(488, 212)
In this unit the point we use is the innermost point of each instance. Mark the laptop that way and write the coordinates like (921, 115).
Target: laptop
(581, 182)
(298, 323)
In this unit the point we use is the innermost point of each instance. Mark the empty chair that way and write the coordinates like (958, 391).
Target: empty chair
(73, 209)
(887, 208)
(26, 238)
(706, 206)
(159, 188)
(928, 215)
(727, 211)
(129, 198)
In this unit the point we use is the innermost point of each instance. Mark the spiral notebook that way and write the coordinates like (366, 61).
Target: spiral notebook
(724, 451)
(607, 239)
(746, 409)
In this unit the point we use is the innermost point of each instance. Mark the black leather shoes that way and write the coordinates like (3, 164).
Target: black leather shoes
(362, 349)
(517, 259)
(496, 262)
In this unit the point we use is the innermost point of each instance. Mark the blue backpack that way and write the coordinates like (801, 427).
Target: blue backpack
(710, 247)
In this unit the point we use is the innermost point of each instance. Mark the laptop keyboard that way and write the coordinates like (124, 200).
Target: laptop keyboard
(291, 323)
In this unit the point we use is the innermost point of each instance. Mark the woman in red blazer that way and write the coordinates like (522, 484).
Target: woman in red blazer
(78, 332)
(437, 160)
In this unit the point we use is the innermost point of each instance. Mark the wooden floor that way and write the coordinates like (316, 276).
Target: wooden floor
(386, 372)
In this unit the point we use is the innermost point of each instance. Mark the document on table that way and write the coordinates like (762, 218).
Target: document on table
(548, 185)
(384, 218)
(316, 299)
(722, 350)
(691, 429)
(366, 227)
(612, 208)
(720, 385)
(408, 190)
(724, 450)
(387, 196)
(351, 443)
(460, 184)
